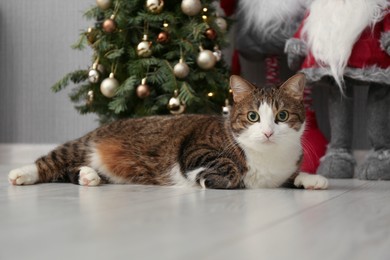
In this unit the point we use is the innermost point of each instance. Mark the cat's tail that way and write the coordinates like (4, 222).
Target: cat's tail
(63, 164)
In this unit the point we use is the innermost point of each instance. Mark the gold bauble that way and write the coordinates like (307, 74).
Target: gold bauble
(91, 35)
(104, 4)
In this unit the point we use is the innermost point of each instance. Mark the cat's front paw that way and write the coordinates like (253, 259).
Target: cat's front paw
(24, 176)
(88, 177)
(215, 182)
(311, 182)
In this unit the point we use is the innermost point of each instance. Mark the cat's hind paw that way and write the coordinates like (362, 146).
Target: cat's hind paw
(88, 177)
(24, 176)
(311, 182)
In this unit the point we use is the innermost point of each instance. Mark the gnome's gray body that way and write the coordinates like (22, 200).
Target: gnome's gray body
(338, 161)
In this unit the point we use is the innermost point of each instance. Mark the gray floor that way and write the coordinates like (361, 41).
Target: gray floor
(351, 220)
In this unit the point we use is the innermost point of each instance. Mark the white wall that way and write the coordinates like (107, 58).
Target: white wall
(35, 52)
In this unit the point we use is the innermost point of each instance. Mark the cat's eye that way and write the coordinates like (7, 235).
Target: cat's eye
(253, 116)
(282, 116)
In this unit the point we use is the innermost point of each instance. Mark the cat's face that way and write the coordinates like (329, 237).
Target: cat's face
(267, 117)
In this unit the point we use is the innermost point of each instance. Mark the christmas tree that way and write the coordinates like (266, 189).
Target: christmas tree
(151, 57)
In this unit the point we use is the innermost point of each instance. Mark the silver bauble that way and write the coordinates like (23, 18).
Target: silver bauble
(221, 23)
(206, 59)
(181, 109)
(217, 54)
(191, 7)
(93, 76)
(103, 4)
(154, 6)
(90, 97)
(226, 109)
(181, 69)
(175, 106)
(100, 68)
(109, 85)
(143, 48)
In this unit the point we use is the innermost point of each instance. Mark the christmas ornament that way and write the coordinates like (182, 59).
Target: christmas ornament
(217, 53)
(226, 109)
(206, 59)
(90, 97)
(93, 74)
(204, 16)
(91, 35)
(143, 48)
(221, 23)
(103, 4)
(109, 25)
(163, 37)
(181, 69)
(175, 105)
(191, 7)
(143, 90)
(109, 85)
(101, 69)
(211, 34)
(154, 6)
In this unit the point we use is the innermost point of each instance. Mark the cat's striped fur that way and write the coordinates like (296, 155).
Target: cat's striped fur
(242, 151)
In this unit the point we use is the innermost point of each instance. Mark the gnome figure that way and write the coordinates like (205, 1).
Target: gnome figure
(263, 27)
(347, 43)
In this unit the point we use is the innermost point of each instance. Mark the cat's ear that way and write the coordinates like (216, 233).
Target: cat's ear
(240, 88)
(295, 86)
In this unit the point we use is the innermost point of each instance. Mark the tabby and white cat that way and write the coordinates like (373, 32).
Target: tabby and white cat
(258, 146)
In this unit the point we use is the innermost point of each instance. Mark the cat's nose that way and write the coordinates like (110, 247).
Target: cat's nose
(268, 134)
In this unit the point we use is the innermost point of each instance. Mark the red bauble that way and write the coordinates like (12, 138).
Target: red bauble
(163, 37)
(211, 34)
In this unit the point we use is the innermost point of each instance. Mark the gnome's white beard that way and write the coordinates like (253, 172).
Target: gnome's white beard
(334, 26)
(270, 15)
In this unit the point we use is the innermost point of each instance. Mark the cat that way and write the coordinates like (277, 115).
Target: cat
(257, 146)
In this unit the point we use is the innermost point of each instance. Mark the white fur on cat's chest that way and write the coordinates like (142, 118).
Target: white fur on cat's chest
(270, 170)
